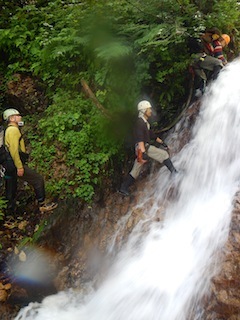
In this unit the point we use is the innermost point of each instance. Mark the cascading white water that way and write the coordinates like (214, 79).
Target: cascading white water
(163, 273)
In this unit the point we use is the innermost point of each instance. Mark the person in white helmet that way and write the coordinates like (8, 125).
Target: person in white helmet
(143, 137)
(15, 164)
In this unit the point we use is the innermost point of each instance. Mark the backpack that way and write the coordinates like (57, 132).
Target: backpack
(195, 45)
(3, 150)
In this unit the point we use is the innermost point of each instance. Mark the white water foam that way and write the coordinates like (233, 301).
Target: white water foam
(162, 274)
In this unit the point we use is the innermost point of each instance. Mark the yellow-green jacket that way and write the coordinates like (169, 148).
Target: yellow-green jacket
(15, 143)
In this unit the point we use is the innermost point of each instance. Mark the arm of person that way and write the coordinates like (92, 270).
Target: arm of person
(141, 153)
(218, 52)
(17, 161)
(141, 146)
(159, 140)
(20, 172)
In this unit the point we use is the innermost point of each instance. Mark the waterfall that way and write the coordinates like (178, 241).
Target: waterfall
(164, 272)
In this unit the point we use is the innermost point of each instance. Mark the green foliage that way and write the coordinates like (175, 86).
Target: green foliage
(81, 149)
(125, 50)
(3, 205)
(65, 41)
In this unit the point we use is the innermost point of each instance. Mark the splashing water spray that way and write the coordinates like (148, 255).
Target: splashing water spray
(164, 272)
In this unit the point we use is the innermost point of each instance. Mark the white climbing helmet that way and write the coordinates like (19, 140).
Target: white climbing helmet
(10, 112)
(143, 105)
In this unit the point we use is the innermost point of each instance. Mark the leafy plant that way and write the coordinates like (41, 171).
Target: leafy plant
(3, 205)
(35, 236)
(81, 150)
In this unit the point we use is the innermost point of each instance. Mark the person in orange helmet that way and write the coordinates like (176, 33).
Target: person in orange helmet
(218, 45)
(225, 40)
(214, 42)
(207, 64)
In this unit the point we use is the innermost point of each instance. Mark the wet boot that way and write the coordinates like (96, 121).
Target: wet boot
(168, 163)
(124, 189)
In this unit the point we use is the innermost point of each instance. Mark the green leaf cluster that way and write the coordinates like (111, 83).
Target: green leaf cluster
(72, 146)
(3, 205)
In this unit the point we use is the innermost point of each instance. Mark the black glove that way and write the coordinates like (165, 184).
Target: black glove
(159, 145)
(164, 145)
(145, 156)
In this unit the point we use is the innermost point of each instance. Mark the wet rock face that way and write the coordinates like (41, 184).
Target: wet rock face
(82, 236)
(224, 300)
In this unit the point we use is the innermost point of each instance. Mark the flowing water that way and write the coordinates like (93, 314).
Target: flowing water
(163, 272)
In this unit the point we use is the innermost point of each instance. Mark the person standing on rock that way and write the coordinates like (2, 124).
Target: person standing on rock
(144, 149)
(15, 164)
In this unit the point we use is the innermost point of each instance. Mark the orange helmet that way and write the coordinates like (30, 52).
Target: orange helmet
(226, 38)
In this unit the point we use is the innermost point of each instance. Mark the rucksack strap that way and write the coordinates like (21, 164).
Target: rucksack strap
(5, 133)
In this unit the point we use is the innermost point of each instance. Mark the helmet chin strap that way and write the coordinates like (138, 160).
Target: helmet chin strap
(141, 113)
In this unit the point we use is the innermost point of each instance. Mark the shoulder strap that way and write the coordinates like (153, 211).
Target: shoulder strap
(18, 130)
(5, 133)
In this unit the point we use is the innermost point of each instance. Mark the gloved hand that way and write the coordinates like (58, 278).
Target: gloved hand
(164, 145)
(145, 156)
